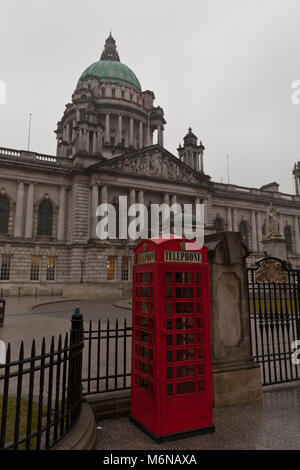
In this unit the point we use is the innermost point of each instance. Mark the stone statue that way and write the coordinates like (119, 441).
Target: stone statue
(272, 223)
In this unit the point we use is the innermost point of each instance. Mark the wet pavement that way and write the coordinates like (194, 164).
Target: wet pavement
(273, 423)
(27, 318)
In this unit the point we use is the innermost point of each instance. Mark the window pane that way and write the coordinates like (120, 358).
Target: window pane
(146, 291)
(4, 214)
(184, 278)
(50, 272)
(169, 340)
(145, 278)
(35, 268)
(184, 292)
(184, 355)
(144, 307)
(5, 268)
(168, 308)
(169, 292)
(185, 338)
(111, 262)
(184, 323)
(45, 216)
(185, 371)
(185, 387)
(184, 307)
(125, 268)
(144, 383)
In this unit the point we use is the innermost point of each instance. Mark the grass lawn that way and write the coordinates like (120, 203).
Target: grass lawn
(284, 306)
(11, 416)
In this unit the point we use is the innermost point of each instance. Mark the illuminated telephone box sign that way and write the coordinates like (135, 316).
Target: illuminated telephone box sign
(171, 391)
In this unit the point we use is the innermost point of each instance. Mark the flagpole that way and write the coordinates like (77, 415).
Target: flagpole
(29, 131)
(228, 169)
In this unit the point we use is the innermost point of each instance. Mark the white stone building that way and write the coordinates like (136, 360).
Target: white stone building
(106, 147)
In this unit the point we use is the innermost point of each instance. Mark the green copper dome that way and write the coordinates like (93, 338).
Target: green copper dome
(110, 69)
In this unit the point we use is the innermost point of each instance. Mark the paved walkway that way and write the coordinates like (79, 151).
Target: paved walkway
(31, 317)
(273, 423)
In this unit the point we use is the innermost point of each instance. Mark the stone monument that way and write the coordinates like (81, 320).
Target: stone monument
(273, 241)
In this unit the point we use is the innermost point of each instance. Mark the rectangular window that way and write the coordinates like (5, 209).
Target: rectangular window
(50, 269)
(125, 268)
(185, 387)
(35, 268)
(5, 268)
(111, 267)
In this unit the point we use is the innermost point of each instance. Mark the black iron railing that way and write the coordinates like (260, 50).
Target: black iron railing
(41, 393)
(274, 312)
(107, 361)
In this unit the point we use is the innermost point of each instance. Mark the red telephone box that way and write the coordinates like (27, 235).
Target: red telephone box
(171, 391)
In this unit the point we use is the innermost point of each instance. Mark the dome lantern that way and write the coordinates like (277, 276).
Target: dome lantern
(110, 69)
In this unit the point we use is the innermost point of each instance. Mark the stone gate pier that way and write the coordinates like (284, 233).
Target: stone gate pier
(236, 377)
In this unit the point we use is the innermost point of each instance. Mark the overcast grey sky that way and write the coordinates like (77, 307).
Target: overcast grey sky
(223, 67)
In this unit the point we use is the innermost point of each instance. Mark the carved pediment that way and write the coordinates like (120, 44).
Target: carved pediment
(155, 163)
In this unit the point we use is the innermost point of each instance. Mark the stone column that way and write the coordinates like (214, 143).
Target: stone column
(166, 198)
(141, 196)
(202, 165)
(94, 205)
(297, 185)
(79, 143)
(236, 377)
(132, 197)
(94, 142)
(160, 137)
(87, 140)
(235, 220)
(61, 214)
(259, 232)
(297, 237)
(131, 202)
(99, 139)
(197, 166)
(29, 211)
(103, 195)
(253, 231)
(107, 129)
(18, 227)
(229, 219)
(119, 130)
(281, 224)
(173, 199)
(141, 135)
(131, 132)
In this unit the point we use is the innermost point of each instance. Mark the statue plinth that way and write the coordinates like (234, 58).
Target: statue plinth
(275, 246)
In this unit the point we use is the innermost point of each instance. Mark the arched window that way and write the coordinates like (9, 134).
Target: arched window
(45, 218)
(244, 231)
(219, 224)
(4, 214)
(288, 238)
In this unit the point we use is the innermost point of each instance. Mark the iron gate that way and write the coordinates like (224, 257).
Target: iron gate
(273, 290)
